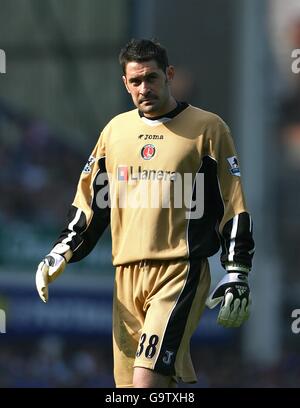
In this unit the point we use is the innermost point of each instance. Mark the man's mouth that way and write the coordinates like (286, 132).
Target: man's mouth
(147, 100)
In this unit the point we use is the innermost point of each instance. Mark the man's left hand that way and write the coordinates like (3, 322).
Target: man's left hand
(234, 293)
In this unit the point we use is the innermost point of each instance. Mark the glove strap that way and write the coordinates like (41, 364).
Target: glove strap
(217, 295)
(64, 250)
(231, 267)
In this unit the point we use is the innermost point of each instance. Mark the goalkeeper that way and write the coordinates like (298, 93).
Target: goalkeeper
(160, 251)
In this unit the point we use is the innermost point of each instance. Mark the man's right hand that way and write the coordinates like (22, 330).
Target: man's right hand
(51, 267)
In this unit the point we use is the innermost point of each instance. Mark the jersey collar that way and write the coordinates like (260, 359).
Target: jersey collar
(157, 120)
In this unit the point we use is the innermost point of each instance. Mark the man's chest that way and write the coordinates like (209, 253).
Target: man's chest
(153, 149)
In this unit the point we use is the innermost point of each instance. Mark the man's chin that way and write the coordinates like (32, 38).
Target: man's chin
(148, 107)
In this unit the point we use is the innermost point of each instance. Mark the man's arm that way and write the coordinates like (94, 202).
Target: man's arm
(86, 223)
(235, 231)
(86, 219)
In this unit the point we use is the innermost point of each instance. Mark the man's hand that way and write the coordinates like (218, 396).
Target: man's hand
(50, 268)
(234, 293)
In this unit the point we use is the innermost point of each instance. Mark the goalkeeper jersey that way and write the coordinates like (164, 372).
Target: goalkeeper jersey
(170, 188)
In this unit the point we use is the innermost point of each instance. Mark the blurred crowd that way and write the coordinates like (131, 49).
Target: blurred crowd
(39, 169)
(289, 169)
(56, 363)
(52, 362)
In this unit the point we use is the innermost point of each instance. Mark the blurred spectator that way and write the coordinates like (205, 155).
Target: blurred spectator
(55, 362)
(184, 86)
(289, 131)
(31, 175)
(284, 16)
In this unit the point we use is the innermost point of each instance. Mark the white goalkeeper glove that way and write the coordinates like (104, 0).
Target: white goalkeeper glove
(234, 293)
(51, 267)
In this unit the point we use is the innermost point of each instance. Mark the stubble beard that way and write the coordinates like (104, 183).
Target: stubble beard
(155, 107)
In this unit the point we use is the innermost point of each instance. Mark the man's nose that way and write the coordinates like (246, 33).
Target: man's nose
(144, 88)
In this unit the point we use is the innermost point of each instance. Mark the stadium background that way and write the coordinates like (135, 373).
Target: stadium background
(62, 84)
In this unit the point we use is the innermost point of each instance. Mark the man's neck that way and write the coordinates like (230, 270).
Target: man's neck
(179, 107)
(171, 106)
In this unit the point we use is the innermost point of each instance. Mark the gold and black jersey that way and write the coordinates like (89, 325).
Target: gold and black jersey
(170, 188)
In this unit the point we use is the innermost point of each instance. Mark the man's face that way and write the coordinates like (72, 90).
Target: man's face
(149, 87)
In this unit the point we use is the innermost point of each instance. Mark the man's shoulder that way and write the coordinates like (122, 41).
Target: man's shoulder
(125, 116)
(208, 121)
(120, 121)
(205, 115)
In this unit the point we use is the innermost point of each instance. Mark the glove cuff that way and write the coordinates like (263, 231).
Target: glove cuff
(64, 250)
(236, 267)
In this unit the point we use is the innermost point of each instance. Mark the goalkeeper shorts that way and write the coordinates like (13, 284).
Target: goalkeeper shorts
(157, 307)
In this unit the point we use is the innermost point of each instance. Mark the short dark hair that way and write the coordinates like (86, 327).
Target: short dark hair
(143, 50)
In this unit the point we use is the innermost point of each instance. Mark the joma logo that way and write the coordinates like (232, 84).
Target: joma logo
(151, 137)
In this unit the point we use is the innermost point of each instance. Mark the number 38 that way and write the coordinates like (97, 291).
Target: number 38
(150, 350)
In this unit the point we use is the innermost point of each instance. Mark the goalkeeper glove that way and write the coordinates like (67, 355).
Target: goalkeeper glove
(51, 267)
(234, 293)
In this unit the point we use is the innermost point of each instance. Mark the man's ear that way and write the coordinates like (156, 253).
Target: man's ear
(170, 73)
(125, 83)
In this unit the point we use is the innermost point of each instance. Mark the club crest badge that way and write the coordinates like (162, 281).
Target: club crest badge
(148, 151)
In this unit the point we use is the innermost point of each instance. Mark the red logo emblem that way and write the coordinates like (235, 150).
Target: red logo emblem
(122, 173)
(148, 151)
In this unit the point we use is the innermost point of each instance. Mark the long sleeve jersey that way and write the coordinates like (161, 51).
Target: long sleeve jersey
(170, 188)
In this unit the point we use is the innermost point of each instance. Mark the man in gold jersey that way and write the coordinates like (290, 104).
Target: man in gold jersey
(166, 177)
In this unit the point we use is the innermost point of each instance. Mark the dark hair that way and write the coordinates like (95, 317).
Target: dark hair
(143, 50)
